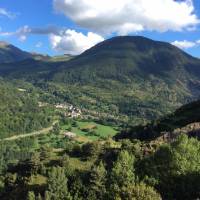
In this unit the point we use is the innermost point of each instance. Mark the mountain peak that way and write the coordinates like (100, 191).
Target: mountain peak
(10, 53)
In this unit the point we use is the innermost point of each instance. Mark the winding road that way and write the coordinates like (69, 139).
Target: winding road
(34, 133)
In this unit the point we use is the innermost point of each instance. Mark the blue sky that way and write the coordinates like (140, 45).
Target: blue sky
(72, 26)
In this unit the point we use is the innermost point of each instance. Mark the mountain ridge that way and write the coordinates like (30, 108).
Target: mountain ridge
(10, 53)
(132, 77)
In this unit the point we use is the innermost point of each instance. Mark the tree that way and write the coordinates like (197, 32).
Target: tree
(123, 169)
(185, 155)
(122, 173)
(57, 185)
(34, 163)
(137, 192)
(64, 161)
(175, 168)
(56, 129)
(91, 150)
(31, 195)
(98, 181)
(45, 153)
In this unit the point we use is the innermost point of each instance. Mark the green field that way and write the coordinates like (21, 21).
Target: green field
(90, 130)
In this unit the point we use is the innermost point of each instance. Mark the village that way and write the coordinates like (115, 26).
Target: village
(69, 110)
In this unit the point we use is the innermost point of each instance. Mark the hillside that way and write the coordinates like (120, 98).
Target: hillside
(19, 109)
(184, 120)
(124, 78)
(10, 53)
(132, 77)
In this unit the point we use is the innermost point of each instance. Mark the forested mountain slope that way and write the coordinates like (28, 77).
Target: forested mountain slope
(134, 78)
(184, 120)
(19, 110)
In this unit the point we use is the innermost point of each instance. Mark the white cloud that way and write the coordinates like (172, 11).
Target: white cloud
(64, 40)
(4, 12)
(126, 16)
(185, 44)
(72, 42)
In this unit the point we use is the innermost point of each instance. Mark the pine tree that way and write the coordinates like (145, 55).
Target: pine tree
(34, 163)
(122, 173)
(57, 185)
(98, 181)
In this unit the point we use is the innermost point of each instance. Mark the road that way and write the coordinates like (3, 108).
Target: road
(34, 133)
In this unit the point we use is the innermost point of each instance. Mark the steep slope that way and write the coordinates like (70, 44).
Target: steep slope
(186, 119)
(10, 53)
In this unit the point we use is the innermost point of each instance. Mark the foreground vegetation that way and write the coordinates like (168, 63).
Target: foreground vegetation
(123, 170)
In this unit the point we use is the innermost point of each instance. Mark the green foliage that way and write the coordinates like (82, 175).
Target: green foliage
(137, 192)
(187, 114)
(97, 185)
(176, 167)
(57, 185)
(56, 129)
(34, 163)
(45, 153)
(19, 111)
(31, 196)
(91, 150)
(122, 173)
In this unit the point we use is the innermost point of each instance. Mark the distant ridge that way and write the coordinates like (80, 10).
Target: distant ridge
(10, 53)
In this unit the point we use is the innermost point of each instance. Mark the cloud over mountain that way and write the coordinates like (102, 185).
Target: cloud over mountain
(185, 44)
(73, 42)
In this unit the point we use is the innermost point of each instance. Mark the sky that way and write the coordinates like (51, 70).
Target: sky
(55, 27)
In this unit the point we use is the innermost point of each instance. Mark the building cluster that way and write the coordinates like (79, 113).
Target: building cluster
(70, 110)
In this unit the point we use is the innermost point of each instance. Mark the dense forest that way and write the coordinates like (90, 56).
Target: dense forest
(19, 110)
(127, 169)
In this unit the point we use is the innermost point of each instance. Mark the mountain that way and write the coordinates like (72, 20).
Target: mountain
(124, 58)
(133, 76)
(10, 53)
(124, 78)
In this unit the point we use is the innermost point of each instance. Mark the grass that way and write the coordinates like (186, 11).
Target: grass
(91, 130)
(38, 180)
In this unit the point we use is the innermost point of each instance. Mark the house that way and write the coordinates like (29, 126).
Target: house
(69, 135)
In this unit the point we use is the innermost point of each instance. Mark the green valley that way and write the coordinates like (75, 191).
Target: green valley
(121, 121)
